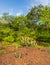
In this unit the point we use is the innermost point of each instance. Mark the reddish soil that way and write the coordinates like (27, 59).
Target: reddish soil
(24, 56)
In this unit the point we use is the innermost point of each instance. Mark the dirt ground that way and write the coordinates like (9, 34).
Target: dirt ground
(24, 56)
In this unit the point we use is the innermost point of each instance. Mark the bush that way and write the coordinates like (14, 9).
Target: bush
(9, 39)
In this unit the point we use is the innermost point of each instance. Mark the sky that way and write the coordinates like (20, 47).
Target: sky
(19, 7)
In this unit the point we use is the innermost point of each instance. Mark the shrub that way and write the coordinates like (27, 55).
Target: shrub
(9, 39)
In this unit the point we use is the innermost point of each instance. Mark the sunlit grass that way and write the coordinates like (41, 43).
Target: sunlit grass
(3, 51)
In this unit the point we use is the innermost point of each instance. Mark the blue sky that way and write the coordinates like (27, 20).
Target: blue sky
(18, 7)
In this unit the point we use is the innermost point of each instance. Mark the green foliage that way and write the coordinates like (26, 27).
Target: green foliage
(19, 22)
(9, 39)
(26, 30)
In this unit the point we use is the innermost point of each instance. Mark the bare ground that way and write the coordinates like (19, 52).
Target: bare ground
(24, 56)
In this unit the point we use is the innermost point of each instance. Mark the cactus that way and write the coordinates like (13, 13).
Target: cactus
(27, 41)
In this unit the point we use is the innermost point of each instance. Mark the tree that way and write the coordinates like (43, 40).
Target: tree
(19, 22)
(7, 18)
(34, 15)
(45, 17)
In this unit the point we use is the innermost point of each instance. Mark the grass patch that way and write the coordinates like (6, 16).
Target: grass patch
(3, 51)
(48, 49)
(39, 47)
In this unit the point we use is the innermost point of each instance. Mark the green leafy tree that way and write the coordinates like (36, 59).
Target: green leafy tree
(19, 22)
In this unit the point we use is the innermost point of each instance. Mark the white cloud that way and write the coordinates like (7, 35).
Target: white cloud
(44, 2)
(0, 15)
(33, 3)
(37, 2)
(19, 13)
(11, 11)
